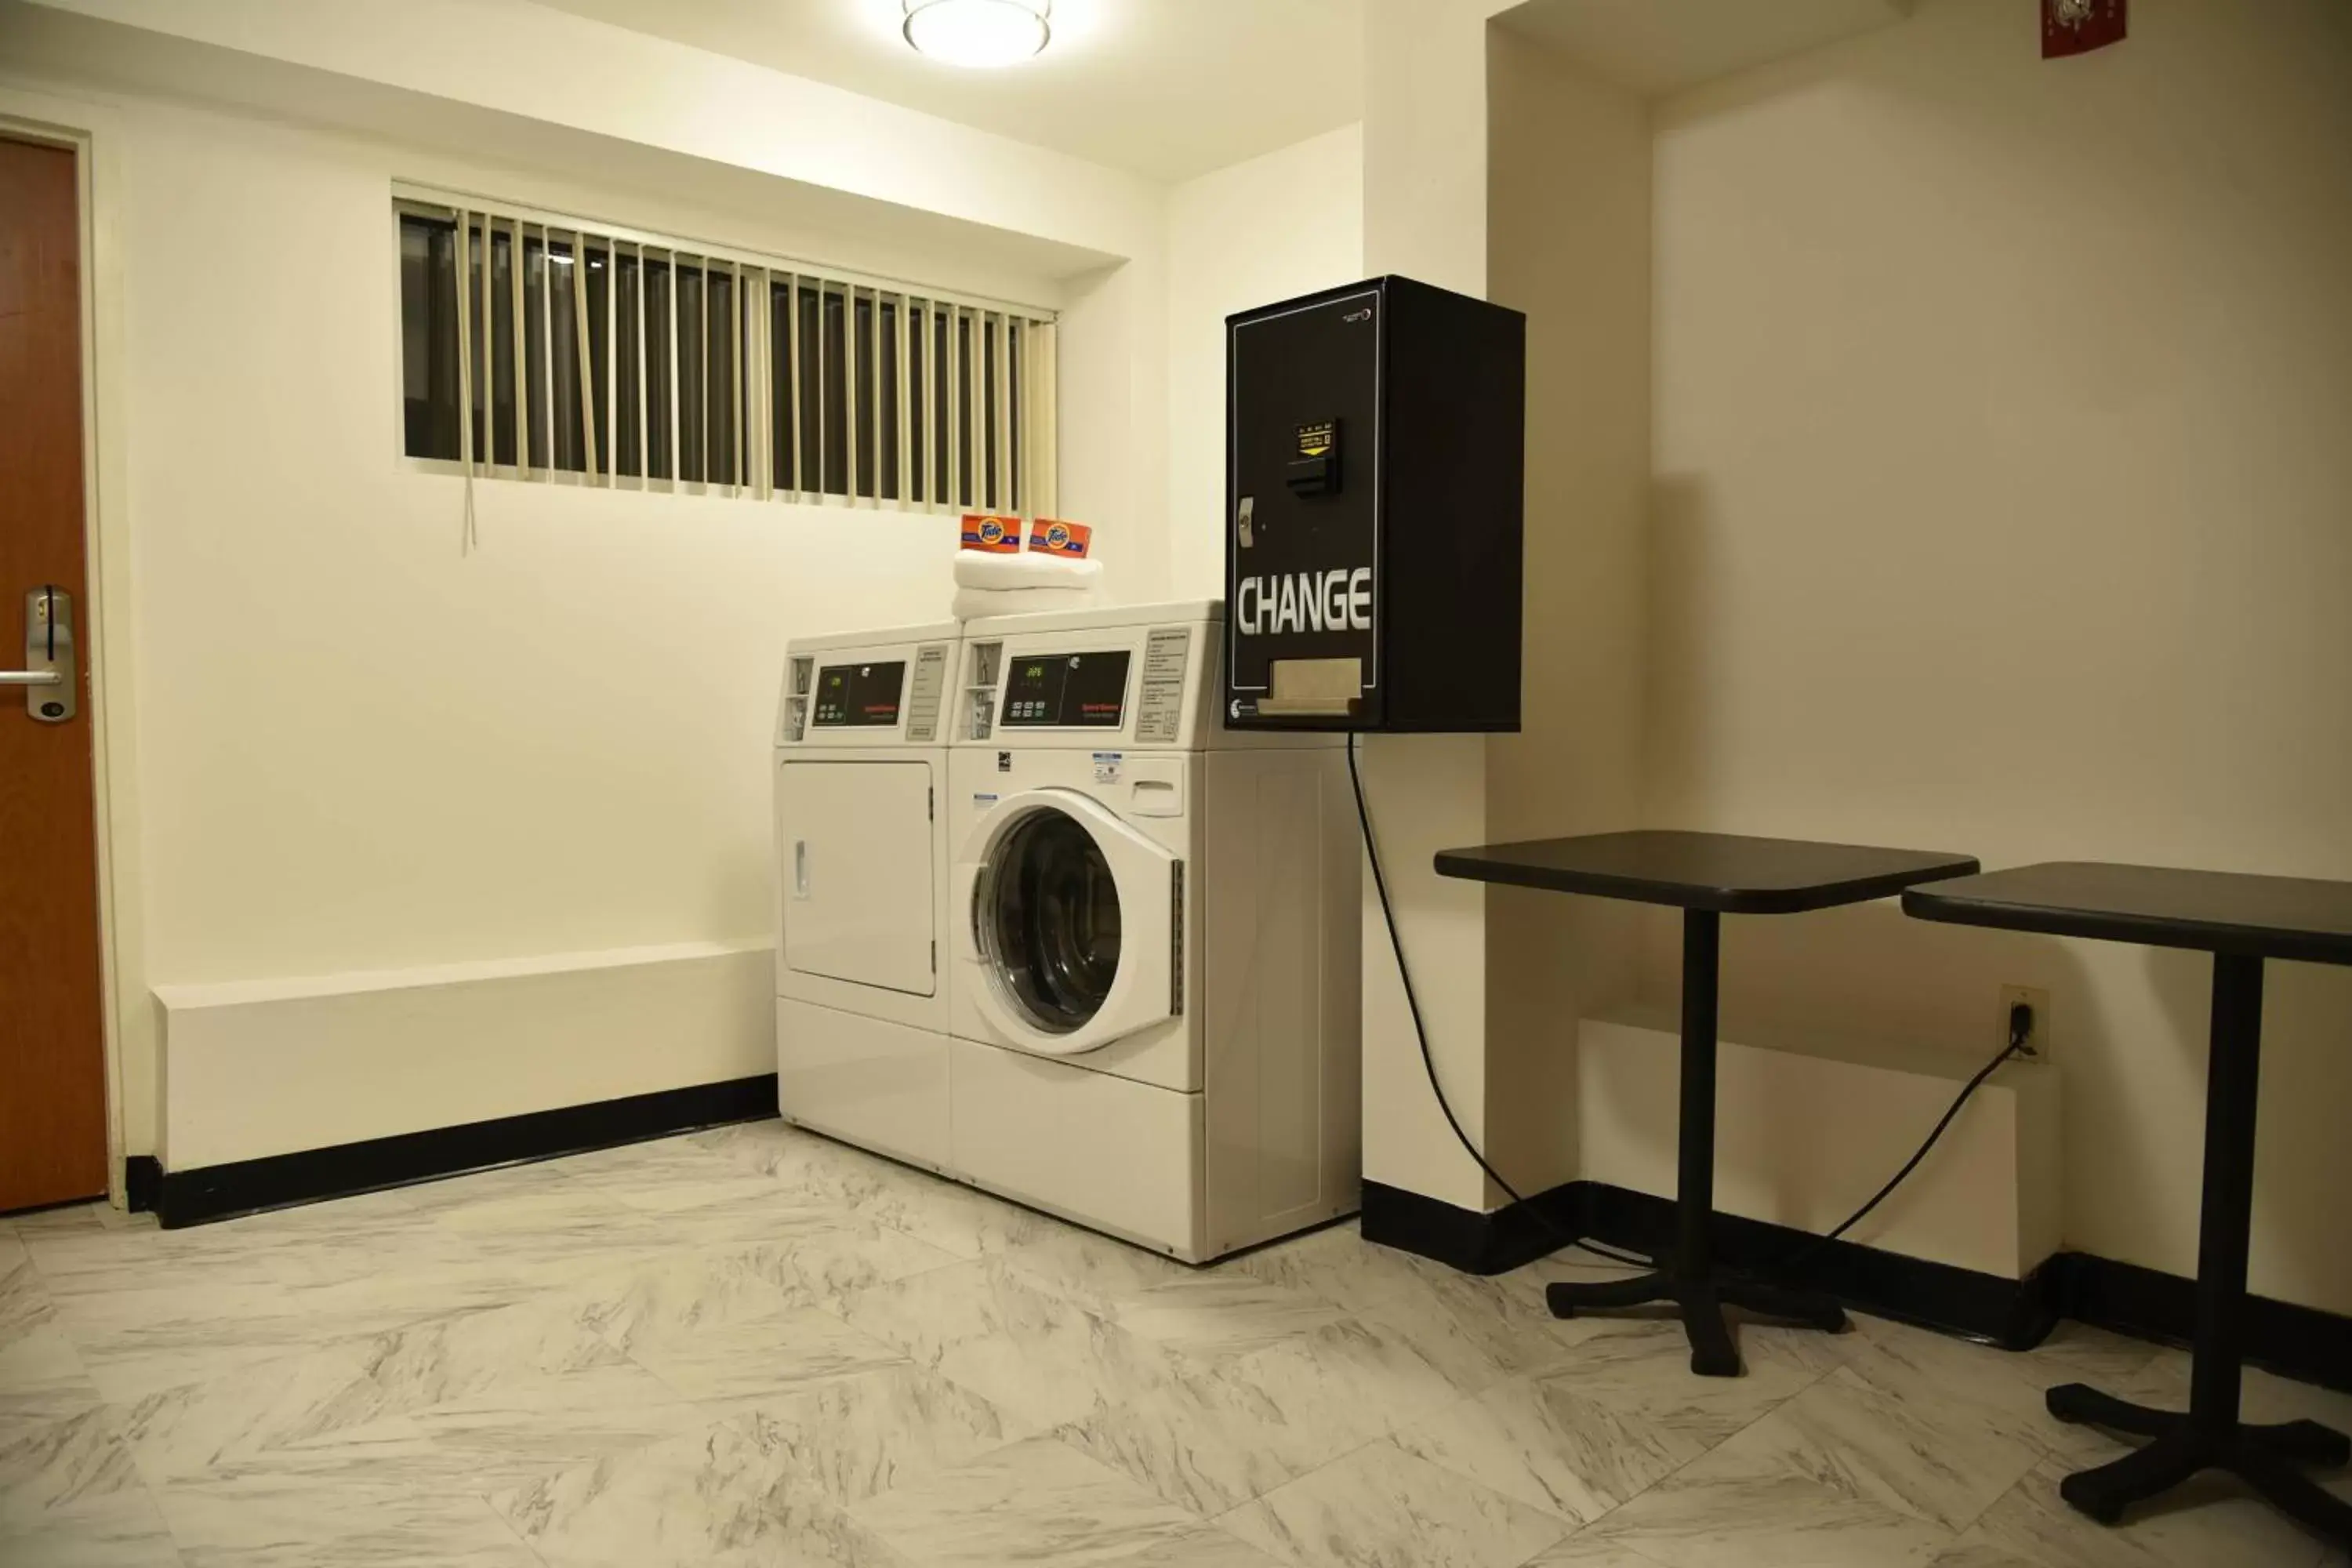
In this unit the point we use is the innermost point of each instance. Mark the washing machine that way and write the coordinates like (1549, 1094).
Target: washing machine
(862, 732)
(1155, 1000)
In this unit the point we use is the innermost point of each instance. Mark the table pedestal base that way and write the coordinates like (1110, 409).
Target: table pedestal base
(2210, 1437)
(1701, 1300)
(1689, 1278)
(2262, 1456)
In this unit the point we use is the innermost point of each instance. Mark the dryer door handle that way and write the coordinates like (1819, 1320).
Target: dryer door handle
(964, 888)
(800, 868)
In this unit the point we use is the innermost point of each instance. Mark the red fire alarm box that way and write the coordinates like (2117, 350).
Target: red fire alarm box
(2078, 26)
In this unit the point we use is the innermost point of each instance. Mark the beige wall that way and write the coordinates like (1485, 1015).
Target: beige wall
(341, 746)
(2003, 504)
(1425, 217)
(1567, 241)
(1286, 224)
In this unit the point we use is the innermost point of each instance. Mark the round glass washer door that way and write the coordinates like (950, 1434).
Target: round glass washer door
(1047, 915)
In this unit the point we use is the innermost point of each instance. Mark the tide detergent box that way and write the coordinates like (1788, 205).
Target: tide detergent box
(995, 535)
(1048, 536)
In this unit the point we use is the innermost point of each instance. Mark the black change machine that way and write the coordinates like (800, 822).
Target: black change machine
(1374, 448)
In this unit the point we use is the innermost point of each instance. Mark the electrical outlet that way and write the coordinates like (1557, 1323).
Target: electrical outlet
(2037, 1042)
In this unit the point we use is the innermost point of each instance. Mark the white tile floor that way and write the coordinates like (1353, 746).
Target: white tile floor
(752, 1346)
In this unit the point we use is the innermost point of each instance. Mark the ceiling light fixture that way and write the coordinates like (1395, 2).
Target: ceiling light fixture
(978, 32)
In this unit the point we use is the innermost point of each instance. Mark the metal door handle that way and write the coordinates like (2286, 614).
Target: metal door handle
(49, 675)
(800, 868)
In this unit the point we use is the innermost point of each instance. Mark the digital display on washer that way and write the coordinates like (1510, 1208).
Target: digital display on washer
(1066, 691)
(859, 696)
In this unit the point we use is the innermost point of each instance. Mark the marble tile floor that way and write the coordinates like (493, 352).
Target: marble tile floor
(754, 1346)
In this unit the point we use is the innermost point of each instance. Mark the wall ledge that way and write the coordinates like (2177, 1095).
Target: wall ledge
(264, 1067)
(291, 988)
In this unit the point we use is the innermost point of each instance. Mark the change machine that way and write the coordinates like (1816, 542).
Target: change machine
(1375, 440)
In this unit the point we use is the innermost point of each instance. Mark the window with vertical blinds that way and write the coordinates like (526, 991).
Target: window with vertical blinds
(537, 347)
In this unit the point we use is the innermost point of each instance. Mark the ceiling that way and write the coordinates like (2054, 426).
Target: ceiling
(1656, 47)
(1165, 88)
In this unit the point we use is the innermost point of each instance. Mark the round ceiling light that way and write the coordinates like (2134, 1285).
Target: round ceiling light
(978, 32)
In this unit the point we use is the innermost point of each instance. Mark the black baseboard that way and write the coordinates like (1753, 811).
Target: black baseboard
(2015, 1313)
(1493, 1243)
(2301, 1342)
(143, 1179)
(281, 1181)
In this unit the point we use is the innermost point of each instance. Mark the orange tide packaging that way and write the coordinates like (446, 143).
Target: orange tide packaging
(991, 533)
(1070, 541)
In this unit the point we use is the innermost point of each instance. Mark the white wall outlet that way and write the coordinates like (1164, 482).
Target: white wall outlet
(2037, 1043)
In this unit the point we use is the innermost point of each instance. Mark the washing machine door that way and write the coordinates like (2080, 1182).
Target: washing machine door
(1071, 918)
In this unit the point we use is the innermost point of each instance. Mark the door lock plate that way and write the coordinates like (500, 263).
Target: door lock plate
(51, 686)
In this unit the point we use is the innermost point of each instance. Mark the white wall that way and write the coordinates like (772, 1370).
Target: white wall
(2001, 507)
(1425, 217)
(1276, 226)
(346, 747)
(1567, 242)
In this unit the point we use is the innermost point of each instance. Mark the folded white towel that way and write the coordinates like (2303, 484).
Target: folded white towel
(973, 604)
(978, 569)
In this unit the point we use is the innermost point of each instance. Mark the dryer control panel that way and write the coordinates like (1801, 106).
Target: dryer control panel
(864, 696)
(840, 691)
(1144, 676)
(1072, 690)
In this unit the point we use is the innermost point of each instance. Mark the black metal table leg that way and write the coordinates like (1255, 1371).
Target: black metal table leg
(2210, 1435)
(1689, 1280)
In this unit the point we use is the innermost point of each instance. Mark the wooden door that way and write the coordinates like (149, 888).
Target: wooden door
(52, 1042)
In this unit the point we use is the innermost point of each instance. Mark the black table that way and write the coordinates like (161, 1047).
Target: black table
(1707, 876)
(2241, 921)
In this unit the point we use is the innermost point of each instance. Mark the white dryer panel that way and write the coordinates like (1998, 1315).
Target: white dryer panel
(859, 896)
(866, 1080)
(868, 689)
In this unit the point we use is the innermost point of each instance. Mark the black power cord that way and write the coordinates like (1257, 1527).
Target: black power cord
(1420, 1034)
(2021, 1024)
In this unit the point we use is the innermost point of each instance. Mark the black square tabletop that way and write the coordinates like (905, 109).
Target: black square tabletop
(2212, 911)
(1725, 872)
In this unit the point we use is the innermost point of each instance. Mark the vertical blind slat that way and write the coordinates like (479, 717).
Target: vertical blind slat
(849, 395)
(702, 344)
(793, 349)
(735, 395)
(1041, 413)
(975, 410)
(487, 447)
(1005, 412)
(645, 374)
(518, 341)
(586, 374)
(874, 396)
(824, 380)
(547, 348)
(612, 389)
(461, 258)
(676, 393)
(951, 440)
(906, 467)
(751, 348)
(1028, 427)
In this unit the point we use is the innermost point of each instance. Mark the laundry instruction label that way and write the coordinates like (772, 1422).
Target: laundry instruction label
(1159, 710)
(930, 685)
(1107, 766)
